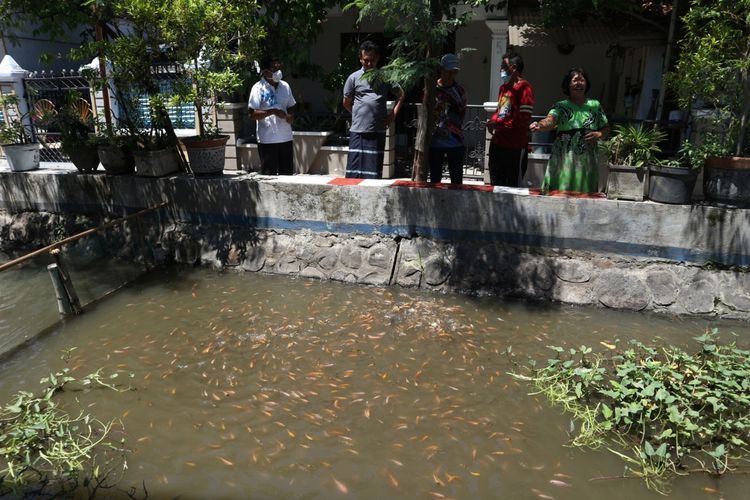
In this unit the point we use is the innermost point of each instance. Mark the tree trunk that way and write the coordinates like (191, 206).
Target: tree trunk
(422, 158)
(745, 76)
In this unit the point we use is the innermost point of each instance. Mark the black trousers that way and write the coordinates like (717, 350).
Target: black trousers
(277, 158)
(455, 158)
(507, 166)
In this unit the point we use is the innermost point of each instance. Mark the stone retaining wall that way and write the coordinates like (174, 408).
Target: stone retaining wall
(623, 255)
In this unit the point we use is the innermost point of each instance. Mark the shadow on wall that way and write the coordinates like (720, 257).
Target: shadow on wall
(716, 230)
(484, 242)
(199, 207)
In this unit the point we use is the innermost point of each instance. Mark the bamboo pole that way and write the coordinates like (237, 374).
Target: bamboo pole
(76, 237)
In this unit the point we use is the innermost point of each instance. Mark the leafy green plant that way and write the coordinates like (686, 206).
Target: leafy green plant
(713, 67)
(663, 410)
(634, 145)
(43, 446)
(200, 36)
(13, 131)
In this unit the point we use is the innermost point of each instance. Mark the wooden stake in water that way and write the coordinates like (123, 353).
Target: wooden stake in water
(67, 298)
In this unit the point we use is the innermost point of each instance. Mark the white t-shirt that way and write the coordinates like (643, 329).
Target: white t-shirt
(263, 96)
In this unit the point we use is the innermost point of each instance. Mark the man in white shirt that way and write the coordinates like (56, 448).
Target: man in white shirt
(270, 102)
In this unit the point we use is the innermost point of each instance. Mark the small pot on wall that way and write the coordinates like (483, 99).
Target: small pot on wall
(626, 182)
(671, 184)
(22, 157)
(85, 158)
(156, 163)
(116, 160)
(726, 180)
(206, 156)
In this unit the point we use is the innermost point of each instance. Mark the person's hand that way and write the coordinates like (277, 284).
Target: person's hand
(593, 136)
(534, 126)
(289, 118)
(389, 119)
(491, 126)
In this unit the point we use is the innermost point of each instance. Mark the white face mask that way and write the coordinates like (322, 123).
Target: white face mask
(277, 76)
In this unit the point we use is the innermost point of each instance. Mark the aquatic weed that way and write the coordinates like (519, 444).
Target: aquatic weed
(663, 410)
(44, 449)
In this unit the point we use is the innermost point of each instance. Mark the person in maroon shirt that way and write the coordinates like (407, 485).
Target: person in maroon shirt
(510, 124)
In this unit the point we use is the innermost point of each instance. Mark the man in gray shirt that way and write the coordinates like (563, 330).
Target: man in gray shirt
(366, 100)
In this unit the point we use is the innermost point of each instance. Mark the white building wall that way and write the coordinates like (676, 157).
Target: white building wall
(27, 49)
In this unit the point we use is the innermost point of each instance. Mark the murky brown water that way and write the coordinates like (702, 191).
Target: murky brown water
(254, 386)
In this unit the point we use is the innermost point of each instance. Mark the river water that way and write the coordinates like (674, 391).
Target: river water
(257, 386)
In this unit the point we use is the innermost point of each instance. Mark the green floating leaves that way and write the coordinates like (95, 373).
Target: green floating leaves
(655, 407)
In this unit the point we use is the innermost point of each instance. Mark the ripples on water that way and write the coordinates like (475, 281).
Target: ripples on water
(252, 386)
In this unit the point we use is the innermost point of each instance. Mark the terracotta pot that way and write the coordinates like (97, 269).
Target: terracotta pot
(206, 156)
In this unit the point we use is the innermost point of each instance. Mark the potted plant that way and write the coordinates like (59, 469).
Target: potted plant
(115, 151)
(20, 150)
(76, 125)
(204, 38)
(712, 73)
(632, 149)
(673, 180)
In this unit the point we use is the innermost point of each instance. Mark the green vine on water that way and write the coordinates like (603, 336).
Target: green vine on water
(45, 450)
(664, 411)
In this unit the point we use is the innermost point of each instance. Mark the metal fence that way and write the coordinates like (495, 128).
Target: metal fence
(55, 89)
(474, 139)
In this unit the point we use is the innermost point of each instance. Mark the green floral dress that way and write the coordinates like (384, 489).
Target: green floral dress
(574, 164)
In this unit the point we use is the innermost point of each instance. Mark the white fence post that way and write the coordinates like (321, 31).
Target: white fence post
(12, 75)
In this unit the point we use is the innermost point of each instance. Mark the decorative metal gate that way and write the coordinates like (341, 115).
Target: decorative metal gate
(474, 139)
(41, 87)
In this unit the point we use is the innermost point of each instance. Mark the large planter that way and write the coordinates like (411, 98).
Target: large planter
(22, 157)
(156, 163)
(625, 182)
(116, 160)
(726, 180)
(671, 185)
(85, 158)
(206, 156)
(306, 147)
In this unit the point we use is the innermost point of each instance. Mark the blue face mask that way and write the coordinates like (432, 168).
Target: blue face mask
(504, 76)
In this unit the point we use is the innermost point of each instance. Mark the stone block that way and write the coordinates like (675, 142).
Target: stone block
(573, 271)
(663, 285)
(620, 290)
(698, 297)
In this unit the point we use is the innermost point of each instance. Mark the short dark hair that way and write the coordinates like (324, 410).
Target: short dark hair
(569, 76)
(267, 60)
(515, 60)
(369, 46)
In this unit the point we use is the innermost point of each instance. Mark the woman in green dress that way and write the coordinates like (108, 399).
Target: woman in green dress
(580, 123)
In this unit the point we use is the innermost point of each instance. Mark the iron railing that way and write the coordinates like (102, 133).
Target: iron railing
(55, 89)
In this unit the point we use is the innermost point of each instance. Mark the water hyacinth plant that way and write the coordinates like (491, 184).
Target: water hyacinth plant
(47, 451)
(664, 411)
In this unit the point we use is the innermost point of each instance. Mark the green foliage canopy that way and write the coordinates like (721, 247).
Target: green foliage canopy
(714, 65)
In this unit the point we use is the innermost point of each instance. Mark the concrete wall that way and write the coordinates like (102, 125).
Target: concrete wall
(587, 251)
